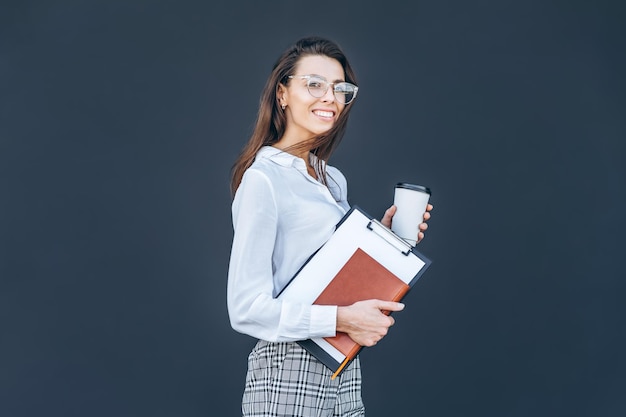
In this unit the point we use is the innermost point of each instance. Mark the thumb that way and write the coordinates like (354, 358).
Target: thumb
(386, 220)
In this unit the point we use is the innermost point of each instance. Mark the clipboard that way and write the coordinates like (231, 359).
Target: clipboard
(360, 249)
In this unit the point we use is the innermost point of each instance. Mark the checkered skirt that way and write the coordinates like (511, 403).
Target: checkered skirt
(283, 379)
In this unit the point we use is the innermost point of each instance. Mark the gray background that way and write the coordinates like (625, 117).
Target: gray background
(119, 122)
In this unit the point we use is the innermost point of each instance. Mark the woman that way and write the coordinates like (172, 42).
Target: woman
(287, 202)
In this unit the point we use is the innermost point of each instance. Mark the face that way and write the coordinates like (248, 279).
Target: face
(306, 115)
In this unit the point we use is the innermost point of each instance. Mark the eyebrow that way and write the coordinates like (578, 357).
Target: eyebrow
(334, 81)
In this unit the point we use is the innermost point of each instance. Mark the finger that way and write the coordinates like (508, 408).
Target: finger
(423, 227)
(429, 207)
(426, 216)
(386, 220)
(390, 305)
(420, 236)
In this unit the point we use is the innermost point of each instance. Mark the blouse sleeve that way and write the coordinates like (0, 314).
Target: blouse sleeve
(251, 306)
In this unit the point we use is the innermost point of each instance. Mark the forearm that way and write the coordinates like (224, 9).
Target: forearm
(279, 321)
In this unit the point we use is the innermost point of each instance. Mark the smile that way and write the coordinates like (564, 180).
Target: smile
(324, 114)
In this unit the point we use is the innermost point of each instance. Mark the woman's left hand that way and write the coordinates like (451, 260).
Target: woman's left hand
(386, 220)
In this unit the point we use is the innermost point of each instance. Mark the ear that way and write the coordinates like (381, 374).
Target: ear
(281, 94)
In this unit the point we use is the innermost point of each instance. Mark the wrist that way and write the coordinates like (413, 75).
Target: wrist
(343, 319)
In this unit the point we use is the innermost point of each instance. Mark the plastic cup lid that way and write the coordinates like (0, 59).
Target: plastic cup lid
(414, 187)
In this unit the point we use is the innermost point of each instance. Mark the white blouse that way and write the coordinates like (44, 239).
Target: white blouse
(281, 216)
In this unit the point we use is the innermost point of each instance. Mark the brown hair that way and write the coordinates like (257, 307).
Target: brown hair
(271, 122)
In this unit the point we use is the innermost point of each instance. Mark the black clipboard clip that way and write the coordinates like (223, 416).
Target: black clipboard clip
(390, 237)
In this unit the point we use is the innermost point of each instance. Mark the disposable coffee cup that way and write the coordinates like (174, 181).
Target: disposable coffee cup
(411, 201)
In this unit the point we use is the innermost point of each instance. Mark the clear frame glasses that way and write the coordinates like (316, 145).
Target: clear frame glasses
(318, 86)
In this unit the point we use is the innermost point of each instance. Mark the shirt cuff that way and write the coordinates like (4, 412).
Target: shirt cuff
(323, 321)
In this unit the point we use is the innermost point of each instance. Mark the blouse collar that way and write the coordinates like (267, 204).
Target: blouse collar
(286, 159)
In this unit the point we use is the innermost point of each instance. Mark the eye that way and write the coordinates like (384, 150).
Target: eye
(345, 92)
(344, 88)
(316, 84)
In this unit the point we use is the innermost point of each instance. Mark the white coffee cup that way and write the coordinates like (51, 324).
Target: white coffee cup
(411, 201)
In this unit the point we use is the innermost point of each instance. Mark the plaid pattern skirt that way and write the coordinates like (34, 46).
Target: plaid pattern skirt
(283, 379)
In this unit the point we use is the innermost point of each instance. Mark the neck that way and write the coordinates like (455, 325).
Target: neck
(293, 148)
(300, 153)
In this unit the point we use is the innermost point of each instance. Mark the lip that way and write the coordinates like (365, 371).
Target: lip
(323, 117)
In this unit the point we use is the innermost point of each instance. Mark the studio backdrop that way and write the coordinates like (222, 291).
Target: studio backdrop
(120, 121)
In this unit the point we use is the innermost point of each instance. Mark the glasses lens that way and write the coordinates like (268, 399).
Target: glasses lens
(317, 86)
(345, 92)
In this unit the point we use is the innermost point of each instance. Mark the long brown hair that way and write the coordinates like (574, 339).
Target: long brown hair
(271, 122)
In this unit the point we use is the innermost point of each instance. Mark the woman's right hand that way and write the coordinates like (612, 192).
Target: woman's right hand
(365, 322)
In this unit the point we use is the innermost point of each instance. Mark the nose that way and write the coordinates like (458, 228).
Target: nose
(329, 95)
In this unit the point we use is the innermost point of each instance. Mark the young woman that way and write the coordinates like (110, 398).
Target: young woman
(287, 202)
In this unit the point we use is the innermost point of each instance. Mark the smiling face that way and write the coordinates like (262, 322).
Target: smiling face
(308, 116)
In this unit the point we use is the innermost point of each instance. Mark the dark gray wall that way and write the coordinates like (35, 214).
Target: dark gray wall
(119, 121)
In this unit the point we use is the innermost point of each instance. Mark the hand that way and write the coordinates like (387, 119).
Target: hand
(365, 321)
(386, 220)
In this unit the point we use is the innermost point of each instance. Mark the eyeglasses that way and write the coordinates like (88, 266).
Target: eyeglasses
(318, 86)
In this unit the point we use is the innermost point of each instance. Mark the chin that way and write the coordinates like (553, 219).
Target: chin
(321, 130)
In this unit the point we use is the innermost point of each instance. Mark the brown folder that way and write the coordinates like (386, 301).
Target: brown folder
(361, 278)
